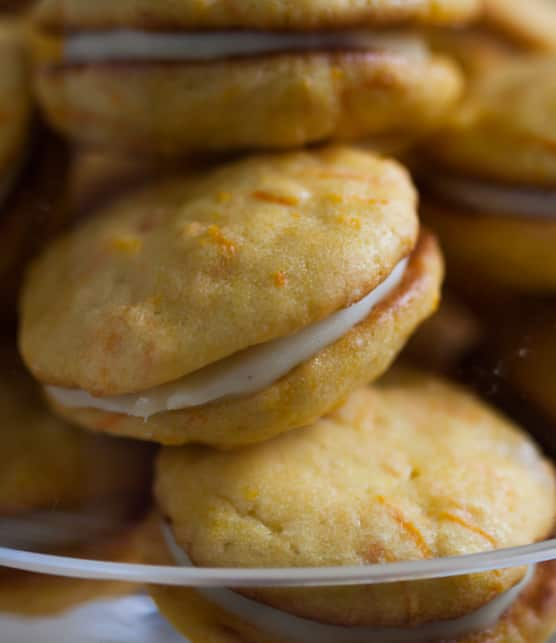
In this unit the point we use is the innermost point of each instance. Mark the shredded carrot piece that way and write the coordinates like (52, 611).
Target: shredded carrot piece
(279, 199)
(226, 246)
(280, 279)
(406, 524)
(469, 525)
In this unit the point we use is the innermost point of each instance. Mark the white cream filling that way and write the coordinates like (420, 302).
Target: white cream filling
(294, 629)
(126, 45)
(57, 529)
(243, 373)
(495, 198)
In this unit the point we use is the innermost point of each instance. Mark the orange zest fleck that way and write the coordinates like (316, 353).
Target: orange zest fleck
(339, 174)
(280, 279)
(334, 198)
(127, 244)
(385, 466)
(377, 553)
(279, 199)
(354, 222)
(407, 525)
(459, 520)
(365, 201)
(226, 247)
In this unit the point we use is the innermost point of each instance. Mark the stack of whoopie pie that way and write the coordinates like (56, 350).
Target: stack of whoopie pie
(62, 489)
(490, 194)
(239, 308)
(488, 180)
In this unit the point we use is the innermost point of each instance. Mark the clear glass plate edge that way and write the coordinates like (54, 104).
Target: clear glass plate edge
(278, 577)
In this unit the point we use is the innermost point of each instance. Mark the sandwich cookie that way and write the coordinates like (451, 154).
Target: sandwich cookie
(409, 469)
(167, 79)
(35, 596)
(530, 618)
(63, 491)
(229, 306)
(490, 188)
(508, 28)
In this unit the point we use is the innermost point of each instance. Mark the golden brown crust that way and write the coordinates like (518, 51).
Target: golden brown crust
(46, 463)
(196, 268)
(271, 14)
(412, 468)
(532, 618)
(504, 130)
(310, 390)
(512, 252)
(140, 108)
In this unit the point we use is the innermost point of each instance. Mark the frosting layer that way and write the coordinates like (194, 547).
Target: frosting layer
(142, 45)
(299, 630)
(496, 198)
(240, 374)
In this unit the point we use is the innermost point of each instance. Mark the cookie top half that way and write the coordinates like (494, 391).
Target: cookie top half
(506, 128)
(199, 267)
(223, 14)
(412, 468)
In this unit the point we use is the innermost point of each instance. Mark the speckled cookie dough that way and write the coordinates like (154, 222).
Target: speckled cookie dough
(339, 228)
(125, 77)
(409, 469)
(274, 14)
